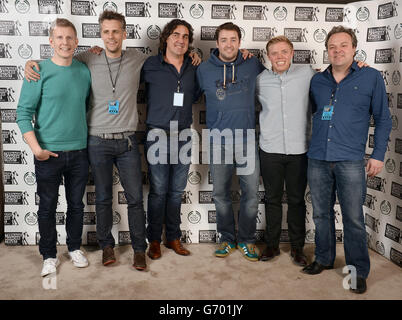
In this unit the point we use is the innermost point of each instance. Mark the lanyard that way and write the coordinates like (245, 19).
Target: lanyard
(110, 72)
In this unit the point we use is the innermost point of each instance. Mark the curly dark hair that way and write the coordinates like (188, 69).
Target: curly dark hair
(169, 29)
(111, 15)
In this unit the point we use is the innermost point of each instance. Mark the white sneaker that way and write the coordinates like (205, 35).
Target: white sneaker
(49, 266)
(78, 258)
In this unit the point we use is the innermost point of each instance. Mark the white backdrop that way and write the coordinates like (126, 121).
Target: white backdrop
(24, 35)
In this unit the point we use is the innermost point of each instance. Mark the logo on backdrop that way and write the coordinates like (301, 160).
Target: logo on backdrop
(264, 33)
(5, 50)
(205, 197)
(194, 217)
(30, 178)
(132, 31)
(22, 6)
(7, 115)
(50, 6)
(306, 13)
(396, 256)
(296, 34)
(90, 30)
(396, 77)
(396, 190)
(153, 32)
(194, 177)
(393, 233)
(207, 236)
(10, 28)
(25, 51)
(83, 8)
(320, 35)
(208, 33)
(398, 101)
(398, 31)
(39, 28)
(15, 157)
(385, 55)
(138, 9)
(390, 166)
(398, 146)
(31, 218)
(362, 14)
(9, 136)
(196, 11)
(303, 56)
(10, 218)
(385, 207)
(170, 10)
(255, 12)
(378, 34)
(399, 213)
(223, 11)
(361, 55)
(387, 10)
(334, 15)
(280, 13)
(110, 6)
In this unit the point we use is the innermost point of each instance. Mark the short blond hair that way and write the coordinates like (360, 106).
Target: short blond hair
(61, 22)
(277, 40)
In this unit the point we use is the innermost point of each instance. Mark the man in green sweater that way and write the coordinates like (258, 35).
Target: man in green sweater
(58, 141)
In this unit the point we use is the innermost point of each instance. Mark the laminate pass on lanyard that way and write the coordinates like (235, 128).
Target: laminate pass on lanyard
(328, 110)
(113, 106)
(178, 97)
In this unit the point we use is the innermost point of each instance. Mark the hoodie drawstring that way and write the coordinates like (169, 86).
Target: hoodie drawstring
(224, 75)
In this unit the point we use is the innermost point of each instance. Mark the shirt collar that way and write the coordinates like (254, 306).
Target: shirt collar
(353, 67)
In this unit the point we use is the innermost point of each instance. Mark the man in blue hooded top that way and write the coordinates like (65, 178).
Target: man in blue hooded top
(228, 82)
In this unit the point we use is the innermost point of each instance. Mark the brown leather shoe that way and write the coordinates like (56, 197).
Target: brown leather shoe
(177, 247)
(298, 257)
(108, 256)
(154, 251)
(139, 261)
(269, 253)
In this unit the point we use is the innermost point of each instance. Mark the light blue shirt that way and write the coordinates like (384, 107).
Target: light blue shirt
(285, 119)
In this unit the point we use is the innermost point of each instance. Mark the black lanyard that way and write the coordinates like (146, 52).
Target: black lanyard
(110, 72)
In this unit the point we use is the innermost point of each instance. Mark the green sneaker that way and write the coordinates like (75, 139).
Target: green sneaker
(225, 249)
(248, 250)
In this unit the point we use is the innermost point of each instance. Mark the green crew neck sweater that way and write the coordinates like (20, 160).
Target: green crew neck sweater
(58, 102)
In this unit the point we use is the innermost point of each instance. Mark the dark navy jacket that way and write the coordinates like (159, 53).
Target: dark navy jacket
(161, 82)
(360, 94)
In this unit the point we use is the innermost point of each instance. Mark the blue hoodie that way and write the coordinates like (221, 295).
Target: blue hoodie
(229, 89)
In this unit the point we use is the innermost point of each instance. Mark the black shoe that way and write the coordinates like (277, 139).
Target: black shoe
(361, 286)
(269, 253)
(298, 257)
(315, 268)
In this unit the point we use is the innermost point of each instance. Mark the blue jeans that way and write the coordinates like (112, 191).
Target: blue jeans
(73, 165)
(124, 154)
(167, 183)
(347, 179)
(222, 184)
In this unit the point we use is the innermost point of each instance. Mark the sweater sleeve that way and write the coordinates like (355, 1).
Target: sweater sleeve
(28, 102)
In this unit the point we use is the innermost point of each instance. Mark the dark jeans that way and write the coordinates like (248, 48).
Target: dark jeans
(124, 154)
(222, 183)
(277, 169)
(348, 179)
(167, 183)
(73, 165)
